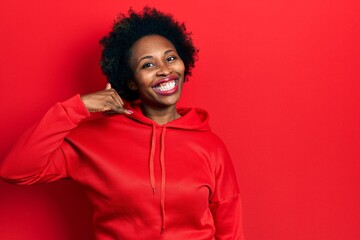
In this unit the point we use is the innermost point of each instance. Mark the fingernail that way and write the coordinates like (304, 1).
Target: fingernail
(130, 112)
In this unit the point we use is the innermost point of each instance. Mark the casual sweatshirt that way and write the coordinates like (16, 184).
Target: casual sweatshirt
(144, 180)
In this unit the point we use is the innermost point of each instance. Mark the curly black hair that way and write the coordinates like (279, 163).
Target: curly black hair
(126, 31)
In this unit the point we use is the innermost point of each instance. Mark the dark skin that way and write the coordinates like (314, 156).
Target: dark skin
(153, 60)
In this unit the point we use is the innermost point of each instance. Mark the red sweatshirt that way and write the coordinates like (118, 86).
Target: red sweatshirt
(144, 180)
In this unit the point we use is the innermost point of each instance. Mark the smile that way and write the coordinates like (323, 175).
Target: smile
(166, 88)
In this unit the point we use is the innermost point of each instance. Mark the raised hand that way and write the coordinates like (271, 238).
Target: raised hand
(107, 101)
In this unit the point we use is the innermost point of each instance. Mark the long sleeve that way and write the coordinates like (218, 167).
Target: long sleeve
(225, 203)
(228, 219)
(38, 156)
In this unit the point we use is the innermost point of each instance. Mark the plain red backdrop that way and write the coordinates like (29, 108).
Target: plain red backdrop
(281, 81)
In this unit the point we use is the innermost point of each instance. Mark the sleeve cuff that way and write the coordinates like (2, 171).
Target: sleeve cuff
(75, 109)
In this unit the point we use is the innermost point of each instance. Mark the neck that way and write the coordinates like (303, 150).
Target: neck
(160, 115)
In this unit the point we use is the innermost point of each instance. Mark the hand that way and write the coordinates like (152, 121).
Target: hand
(107, 101)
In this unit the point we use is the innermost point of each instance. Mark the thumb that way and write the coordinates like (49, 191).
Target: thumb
(108, 86)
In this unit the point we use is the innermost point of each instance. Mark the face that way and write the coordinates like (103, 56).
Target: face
(158, 72)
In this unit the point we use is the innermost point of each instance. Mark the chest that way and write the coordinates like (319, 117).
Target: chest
(116, 169)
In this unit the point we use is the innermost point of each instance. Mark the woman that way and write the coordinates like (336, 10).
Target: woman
(150, 170)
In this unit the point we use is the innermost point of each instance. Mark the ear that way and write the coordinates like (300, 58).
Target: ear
(132, 85)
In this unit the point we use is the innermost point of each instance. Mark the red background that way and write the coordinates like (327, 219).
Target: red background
(280, 79)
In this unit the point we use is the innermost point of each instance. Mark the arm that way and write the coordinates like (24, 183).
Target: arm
(228, 219)
(225, 203)
(38, 155)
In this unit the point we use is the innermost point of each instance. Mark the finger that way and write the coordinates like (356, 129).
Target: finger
(115, 113)
(121, 110)
(115, 108)
(111, 106)
(108, 86)
(117, 98)
(118, 111)
(126, 111)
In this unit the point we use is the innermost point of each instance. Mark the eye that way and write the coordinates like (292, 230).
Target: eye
(147, 65)
(170, 58)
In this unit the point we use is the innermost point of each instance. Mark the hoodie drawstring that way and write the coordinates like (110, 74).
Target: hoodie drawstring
(162, 166)
(163, 175)
(151, 160)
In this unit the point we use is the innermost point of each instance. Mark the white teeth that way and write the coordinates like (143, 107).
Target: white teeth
(167, 86)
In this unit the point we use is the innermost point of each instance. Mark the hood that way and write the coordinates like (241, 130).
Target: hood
(191, 118)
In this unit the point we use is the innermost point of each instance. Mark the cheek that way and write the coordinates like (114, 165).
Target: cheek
(180, 67)
(142, 79)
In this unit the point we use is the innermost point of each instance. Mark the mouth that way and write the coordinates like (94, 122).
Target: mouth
(167, 86)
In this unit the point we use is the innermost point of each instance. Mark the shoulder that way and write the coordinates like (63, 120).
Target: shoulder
(101, 121)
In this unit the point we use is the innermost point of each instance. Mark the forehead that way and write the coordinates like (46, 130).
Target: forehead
(150, 45)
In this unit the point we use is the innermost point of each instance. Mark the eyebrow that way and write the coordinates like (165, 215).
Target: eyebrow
(149, 57)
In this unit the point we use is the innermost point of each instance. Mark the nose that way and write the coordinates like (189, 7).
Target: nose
(164, 69)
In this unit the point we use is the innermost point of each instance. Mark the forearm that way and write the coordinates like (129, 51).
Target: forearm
(37, 156)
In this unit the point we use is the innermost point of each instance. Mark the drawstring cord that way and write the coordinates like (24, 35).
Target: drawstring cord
(162, 193)
(162, 166)
(151, 161)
